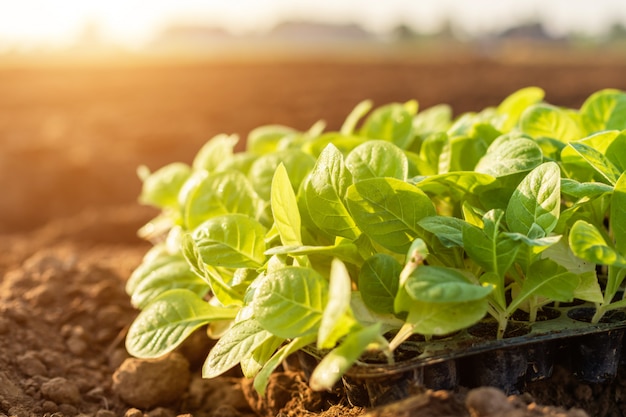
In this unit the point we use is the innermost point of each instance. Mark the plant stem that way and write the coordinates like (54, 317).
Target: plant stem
(403, 334)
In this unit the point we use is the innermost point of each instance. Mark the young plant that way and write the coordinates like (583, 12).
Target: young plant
(405, 222)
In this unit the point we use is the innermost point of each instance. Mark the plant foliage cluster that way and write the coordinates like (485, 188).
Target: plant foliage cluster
(400, 223)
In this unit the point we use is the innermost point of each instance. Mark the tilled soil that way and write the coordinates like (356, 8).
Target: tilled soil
(70, 142)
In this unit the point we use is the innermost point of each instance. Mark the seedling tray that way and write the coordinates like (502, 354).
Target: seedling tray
(470, 358)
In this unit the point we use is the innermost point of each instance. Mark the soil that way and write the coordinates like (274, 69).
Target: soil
(71, 139)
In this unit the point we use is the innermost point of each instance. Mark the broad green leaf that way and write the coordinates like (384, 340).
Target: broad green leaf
(235, 345)
(378, 282)
(588, 288)
(285, 208)
(588, 190)
(264, 139)
(448, 230)
(536, 201)
(597, 161)
(440, 318)
(149, 265)
(377, 158)
(368, 317)
(225, 293)
(339, 360)
(325, 192)
(252, 363)
(588, 243)
(434, 119)
(218, 194)
(231, 240)
(344, 249)
(430, 151)
(217, 150)
(604, 110)
(161, 187)
(349, 125)
(616, 151)
(546, 278)
(337, 318)
(393, 123)
(297, 163)
(547, 121)
(344, 143)
(489, 247)
(388, 211)
(617, 216)
(514, 105)
(168, 320)
(461, 153)
(263, 377)
(240, 161)
(509, 156)
(457, 184)
(169, 276)
(289, 302)
(435, 284)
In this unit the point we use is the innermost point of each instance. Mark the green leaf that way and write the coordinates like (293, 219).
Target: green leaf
(597, 161)
(514, 105)
(588, 243)
(344, 249)
(265, 139)
(235, 345)
(536, 201)
(434, 119)
(377, 158)
(153, 260)
(379, 281)
(256, 360)
(325, 192)
(604, 110)
(457, 184)
(435, 284)
(393, 123)
(617, 216)
(461, 153)
(488, 247)
(285, 208)
(168, 320)
(444, 318)
(231, 240)
(217, 150)
(263, 377)
(218, 194)
(588, 190)
(507, 156)
(297, 163)
(224, 293)
(388, 211)
(546, 278)
(355, 115)
(547, 121)
(337, 318)
(339, 360)
(161, 187)
(168, 276)
(448, 230)
(289, 302)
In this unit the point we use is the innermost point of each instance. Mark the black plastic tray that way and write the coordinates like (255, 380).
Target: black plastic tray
(590, 351)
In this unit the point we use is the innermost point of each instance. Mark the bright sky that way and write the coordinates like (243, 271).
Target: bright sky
(25, 23)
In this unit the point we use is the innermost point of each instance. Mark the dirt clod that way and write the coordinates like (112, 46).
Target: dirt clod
(146, 383)
(487, 402)
(60, 390)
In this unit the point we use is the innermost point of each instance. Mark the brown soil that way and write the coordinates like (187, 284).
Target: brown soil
(71, 139)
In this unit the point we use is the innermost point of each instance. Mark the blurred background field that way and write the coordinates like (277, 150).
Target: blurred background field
(84, 101)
